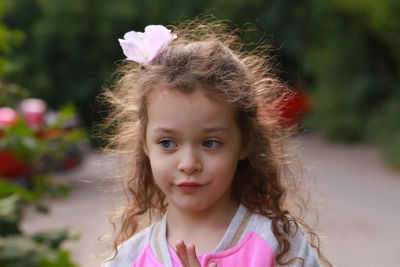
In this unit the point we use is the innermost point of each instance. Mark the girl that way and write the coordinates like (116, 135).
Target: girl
(193, 115)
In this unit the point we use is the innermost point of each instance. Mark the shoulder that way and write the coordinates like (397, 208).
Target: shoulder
(130, 250)
(299, 242)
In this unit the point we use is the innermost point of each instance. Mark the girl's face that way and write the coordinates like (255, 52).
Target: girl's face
(194, 145)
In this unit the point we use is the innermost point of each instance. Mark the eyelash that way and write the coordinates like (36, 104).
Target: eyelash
(166, 142)
(218, 143)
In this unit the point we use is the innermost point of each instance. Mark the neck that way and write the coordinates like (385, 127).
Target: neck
(216, 216)
(203, 228)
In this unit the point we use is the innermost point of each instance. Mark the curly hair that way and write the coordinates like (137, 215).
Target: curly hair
(208, 56)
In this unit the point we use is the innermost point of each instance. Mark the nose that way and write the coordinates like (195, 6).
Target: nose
(189, 162)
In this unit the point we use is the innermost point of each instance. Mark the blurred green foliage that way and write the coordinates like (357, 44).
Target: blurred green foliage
(11, 94)
(345, 55)
(13, 198)
(44, 150)
(18, 249)
(21, 139)
(39, 249)
(8, 39)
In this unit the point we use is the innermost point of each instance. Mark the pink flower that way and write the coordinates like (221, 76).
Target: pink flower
(33, 110)
(8, 116)
(143, 47)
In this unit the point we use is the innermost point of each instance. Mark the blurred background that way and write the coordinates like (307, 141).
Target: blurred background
(341, 58)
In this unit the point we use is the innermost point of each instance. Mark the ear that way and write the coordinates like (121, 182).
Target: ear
(243, 155)
(243, 152)
(145, 149)
(144, 146)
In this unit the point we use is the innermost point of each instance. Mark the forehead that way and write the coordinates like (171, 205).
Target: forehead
(171, 108)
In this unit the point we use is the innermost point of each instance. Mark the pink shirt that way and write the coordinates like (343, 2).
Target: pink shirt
(248, 242)
(252, 250)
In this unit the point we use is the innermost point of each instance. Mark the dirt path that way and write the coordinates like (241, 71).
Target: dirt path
(359, 220)
(362, 211)
(86, 210)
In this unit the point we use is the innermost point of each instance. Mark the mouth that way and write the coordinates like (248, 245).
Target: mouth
(188, 186)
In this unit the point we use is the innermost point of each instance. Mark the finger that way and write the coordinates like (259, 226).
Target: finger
(212, 264)
(192, 257)
(181, 251)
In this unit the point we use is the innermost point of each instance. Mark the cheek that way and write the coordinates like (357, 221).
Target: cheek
(161, 169)
(224, 167)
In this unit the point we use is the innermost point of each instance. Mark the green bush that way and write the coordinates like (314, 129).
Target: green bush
(43, 150)
(18, 249)
(353, 59)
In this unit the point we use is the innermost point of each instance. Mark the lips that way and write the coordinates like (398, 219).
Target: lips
(189, 186)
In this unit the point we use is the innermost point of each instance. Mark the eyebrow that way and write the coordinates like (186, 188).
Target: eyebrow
(164, 130)
(216, 129)
(205, 130)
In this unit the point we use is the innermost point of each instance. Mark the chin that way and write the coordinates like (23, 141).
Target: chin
(194, 207)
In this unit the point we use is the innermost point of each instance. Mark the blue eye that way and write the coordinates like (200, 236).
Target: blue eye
(211, 143)
(167, 143)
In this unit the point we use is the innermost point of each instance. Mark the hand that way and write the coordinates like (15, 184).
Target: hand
(187, 255)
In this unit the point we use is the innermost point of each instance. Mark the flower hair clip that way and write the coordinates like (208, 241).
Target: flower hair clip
(143, 47)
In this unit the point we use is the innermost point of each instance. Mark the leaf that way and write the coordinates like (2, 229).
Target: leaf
(16, 250)
(44, 184)
(10, 215)
(8, 189)
(53, 238)
(61, 261)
